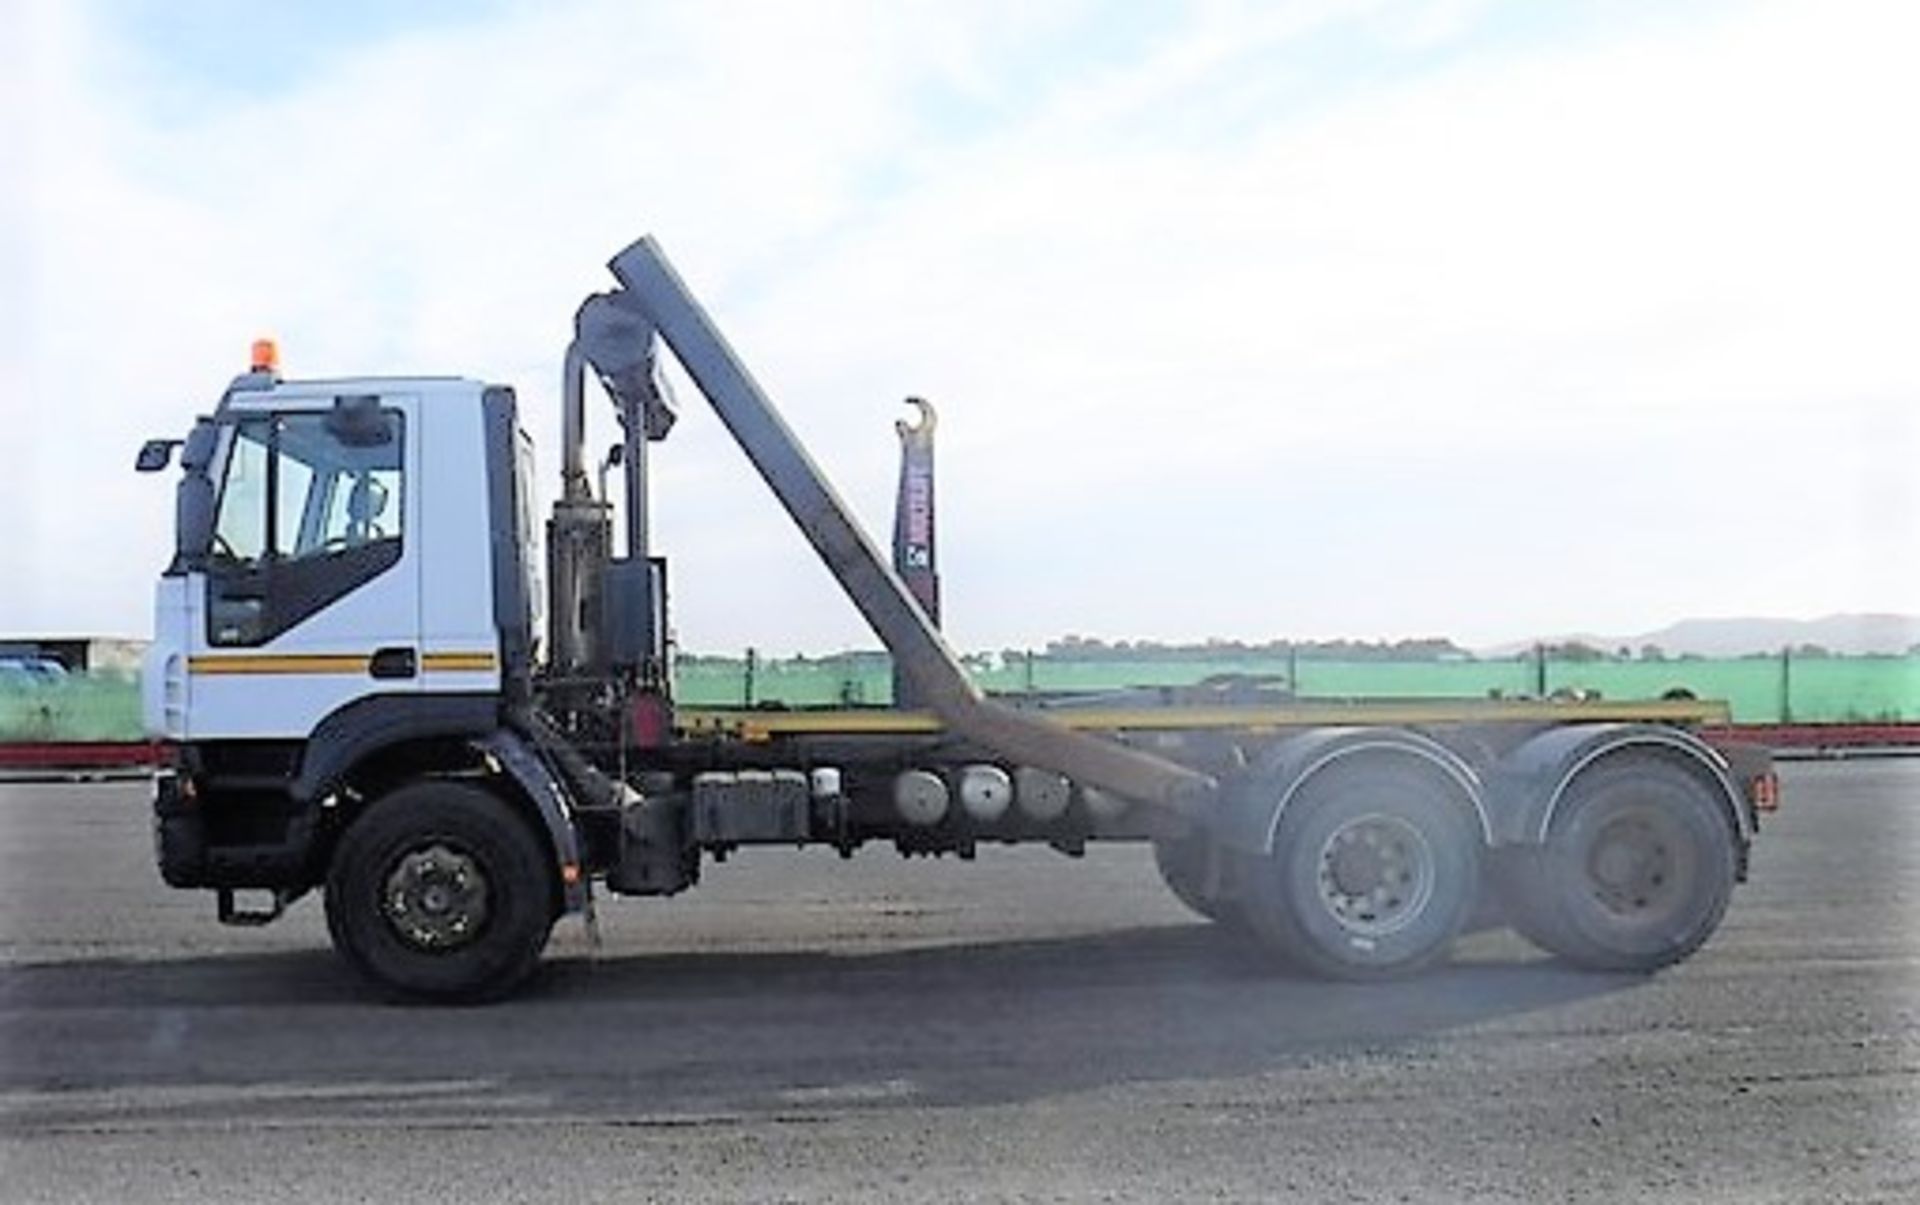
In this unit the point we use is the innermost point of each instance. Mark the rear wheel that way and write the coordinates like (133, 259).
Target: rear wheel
(1636, 871)
(1186, 867)
(1373, 874)
(441, 891)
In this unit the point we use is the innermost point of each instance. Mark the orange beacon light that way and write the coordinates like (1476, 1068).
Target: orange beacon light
(266, 356)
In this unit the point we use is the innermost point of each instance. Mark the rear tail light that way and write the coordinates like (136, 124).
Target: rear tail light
(1763, 791)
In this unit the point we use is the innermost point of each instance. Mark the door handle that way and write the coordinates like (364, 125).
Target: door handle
(393, 663)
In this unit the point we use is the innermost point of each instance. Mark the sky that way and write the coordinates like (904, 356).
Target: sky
(1266, 320)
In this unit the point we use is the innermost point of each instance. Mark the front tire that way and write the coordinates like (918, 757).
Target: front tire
(441, 892)
(1373, 873)
(1636, 871)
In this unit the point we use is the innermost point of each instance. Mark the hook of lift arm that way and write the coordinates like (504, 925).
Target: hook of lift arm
(923, 426)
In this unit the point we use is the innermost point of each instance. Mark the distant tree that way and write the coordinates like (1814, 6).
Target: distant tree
(1811, 651)
(1426, 648)
(1575, 650)
(1074, 647)
(1652, 652)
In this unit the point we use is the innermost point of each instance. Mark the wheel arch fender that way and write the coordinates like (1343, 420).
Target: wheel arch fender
(542, 792)
(1251, 820)
(352, 735)
(1529, 785)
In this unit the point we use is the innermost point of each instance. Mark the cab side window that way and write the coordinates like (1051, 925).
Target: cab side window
(333, 495)
(309, 510)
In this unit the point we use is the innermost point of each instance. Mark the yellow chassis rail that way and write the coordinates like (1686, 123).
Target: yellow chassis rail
(767, 725)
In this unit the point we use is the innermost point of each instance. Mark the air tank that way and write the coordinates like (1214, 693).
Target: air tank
(985, 792)
(920, 796)
(1042, 794)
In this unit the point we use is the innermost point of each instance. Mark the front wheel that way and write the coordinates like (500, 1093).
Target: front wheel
(441, 891)
(1636, 871)
(1372, 875)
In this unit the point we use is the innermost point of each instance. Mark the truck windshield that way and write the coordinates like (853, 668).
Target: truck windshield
(240, 533)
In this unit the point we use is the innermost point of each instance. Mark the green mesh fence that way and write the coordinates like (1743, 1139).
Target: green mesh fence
(100, 707)
(1759, 690)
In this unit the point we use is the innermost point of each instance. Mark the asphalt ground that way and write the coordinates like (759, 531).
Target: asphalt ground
(1023, 1027)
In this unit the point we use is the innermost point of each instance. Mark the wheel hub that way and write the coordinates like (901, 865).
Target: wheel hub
(1359, 867)
(436, 898)
(1631, 865)
(1376, 874)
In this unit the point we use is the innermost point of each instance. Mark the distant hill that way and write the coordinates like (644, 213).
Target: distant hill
(1854, 635)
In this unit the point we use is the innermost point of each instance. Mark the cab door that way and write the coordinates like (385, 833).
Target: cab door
(312, 587)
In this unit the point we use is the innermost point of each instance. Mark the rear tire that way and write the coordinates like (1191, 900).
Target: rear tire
(1183, 866)
(441, 892)
(1635, 874)
(1374, 872)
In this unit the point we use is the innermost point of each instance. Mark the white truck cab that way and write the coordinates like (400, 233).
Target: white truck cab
(347, 557)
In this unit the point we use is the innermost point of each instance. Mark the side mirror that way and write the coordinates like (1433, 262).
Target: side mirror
(155, 455)
(193, 498)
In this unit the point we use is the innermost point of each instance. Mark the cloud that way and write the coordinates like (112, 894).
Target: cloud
(1313, 319)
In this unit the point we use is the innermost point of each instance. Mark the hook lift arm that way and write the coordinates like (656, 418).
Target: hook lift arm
(652, 289)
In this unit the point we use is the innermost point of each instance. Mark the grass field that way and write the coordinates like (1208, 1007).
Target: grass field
(1763, 690)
